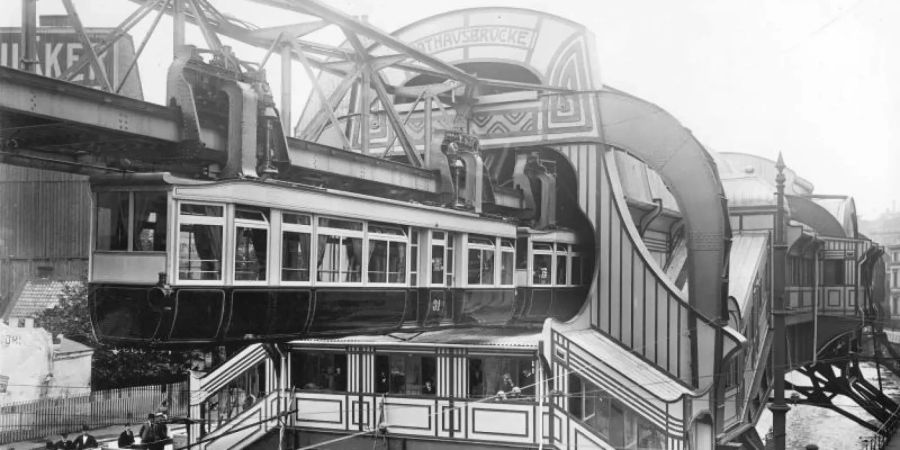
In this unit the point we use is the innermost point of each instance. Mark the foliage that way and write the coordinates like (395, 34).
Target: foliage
(112, 366)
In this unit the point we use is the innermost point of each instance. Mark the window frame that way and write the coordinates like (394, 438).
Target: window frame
(129, 219)
(309, 230)
(493, 248)
(420, 355)
(504, 246)
(388, 238)
(321, 230)
(256, 225)
(221, 221)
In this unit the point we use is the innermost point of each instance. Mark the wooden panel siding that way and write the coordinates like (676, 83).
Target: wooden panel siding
(44, 221)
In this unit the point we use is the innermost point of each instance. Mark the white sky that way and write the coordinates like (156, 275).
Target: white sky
(812, 78)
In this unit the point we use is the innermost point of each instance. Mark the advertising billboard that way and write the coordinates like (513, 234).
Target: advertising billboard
(59, 48)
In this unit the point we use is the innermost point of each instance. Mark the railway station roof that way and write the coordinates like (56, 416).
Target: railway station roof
(469, 337)
(747, 258)
(615, 358)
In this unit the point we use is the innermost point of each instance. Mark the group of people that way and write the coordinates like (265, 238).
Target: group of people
(510, 390)
(83, 441)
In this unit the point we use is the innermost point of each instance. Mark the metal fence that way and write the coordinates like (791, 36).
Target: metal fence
(48, 417)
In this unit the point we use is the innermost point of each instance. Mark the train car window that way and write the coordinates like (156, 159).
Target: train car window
(295, 219)
(149, 232)
(448, 262)
(522, 253)
(112, 221)
(576, 269)
(542, 263)
(507, 261)
(405, 374)
(339, 223)
(314, 370)
(295, 247)
(295, 256)
(339, 251)
(414, 258)
(387, 254)
(200, 232)
(502, 377)
(438, 257)
(250, 244)
(192, 209)
(562, 257)
(481, 252)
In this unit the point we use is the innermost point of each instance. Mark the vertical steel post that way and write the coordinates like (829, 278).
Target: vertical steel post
(816, 282)
(429, 128)
(364, 103)
(28, 43)
(778, 406)
(286, 85)
(177, 26)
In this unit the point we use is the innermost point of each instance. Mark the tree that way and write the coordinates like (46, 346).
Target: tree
(112, 366)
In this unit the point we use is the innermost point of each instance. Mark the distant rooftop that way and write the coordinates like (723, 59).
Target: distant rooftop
(38, 295)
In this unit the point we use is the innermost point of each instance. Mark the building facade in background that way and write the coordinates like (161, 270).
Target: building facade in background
(44, 232)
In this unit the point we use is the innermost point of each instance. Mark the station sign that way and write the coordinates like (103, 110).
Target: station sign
(59, 48)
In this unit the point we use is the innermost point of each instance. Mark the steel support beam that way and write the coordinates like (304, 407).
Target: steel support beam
(36, 96)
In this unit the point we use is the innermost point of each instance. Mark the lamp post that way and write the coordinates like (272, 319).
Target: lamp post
(778, 406)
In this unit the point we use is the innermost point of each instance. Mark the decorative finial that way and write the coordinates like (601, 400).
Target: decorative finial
(780, 178)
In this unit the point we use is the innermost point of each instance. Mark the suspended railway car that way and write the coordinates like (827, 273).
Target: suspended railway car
(184, 261)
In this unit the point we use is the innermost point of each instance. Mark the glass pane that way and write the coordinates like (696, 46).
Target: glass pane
(543, 246)
(250, 254)
(200, 252)
(487, 267)
(437, 264)
(481, 240)
(562, 248)
(295, 256)
(384, 228)
(560, 269)
(576, 270)
(382, 369)
(319, 370)
(448, 265)
(377, 261)
(397, 263)
(476, 378)
(507, 268)
(149, 233)
(429, 375)
(338, 223)
(112, 221)
(249, 213)
(474, 266)
(522, 253)
(542, 264)
(340, 258)
(296, 219)
(190, 209)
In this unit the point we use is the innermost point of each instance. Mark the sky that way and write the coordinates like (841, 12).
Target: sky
(818, 80)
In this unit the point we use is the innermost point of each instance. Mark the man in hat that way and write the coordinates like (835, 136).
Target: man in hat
(85, 440)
